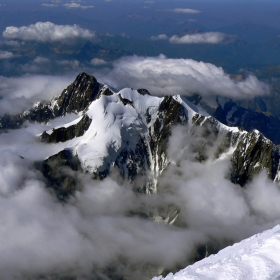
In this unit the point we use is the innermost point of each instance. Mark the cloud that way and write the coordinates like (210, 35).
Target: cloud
(13, 43)
(79, 6)
(165, 76)
(159, 37)
(199, 38)
(6, 55)
(98, 61)
(186, 11)
(90, 232)
(264, 201)
(47, 32)
(50, 5)
(202, 38)
(208, 201)
(41, 60)
(19, 94)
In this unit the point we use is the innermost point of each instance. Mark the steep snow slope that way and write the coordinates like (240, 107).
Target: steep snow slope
(255, 258)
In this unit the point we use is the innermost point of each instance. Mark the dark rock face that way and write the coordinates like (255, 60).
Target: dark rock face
(253, 153)
(76, 97)
(143, 91)
(59, 171)
(125, 101)
(63, 134)
(10, 122)
(134, 162)
(170, 113)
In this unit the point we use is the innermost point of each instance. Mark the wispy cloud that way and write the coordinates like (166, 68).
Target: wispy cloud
(50, 5)
(98, 61)
(159, 37)
(77, 6)
(12, 43)
(186, 11)
(41, 60)
(201, 38)
(6, 55)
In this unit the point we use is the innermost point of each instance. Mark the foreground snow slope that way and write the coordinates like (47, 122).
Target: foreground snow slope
(255, 258)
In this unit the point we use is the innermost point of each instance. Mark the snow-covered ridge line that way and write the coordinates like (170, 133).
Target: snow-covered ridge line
(255, 258)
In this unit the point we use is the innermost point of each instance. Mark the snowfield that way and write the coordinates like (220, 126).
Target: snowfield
(255, 258)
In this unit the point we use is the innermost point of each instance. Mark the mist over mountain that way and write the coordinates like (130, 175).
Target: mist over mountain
(158, 171)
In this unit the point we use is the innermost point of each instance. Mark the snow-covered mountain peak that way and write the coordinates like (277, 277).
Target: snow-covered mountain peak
(130, 130)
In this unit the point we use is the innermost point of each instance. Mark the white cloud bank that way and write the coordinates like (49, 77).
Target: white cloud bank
(165, 76)
(199, 38)
(47, 32)
(95, 229)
